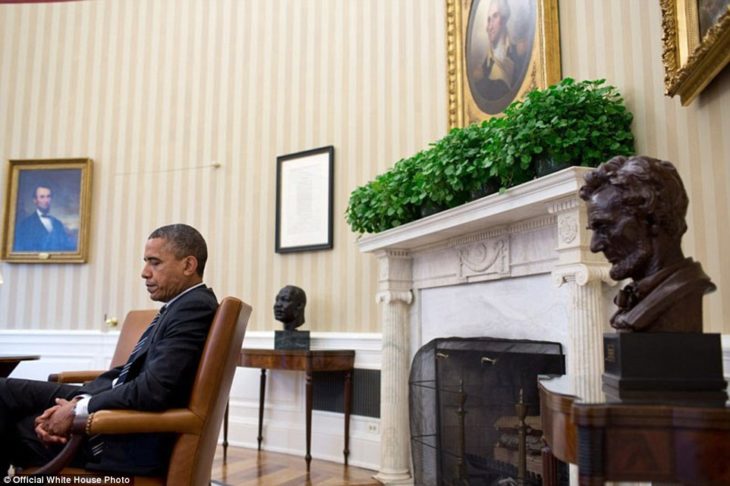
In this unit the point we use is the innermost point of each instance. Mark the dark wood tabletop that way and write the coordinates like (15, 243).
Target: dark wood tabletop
(8, 362)
(297, 359)
(612, 441)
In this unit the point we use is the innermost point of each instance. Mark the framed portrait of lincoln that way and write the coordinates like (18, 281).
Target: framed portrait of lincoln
(47, 211)
(498, 50)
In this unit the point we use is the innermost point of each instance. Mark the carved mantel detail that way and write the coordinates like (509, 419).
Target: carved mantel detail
(568, 229)
(583, 274)
(484, 257)
(394, 271)
(392, 296)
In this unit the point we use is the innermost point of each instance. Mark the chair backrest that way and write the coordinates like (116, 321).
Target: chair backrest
(134, 325)
(192, 456)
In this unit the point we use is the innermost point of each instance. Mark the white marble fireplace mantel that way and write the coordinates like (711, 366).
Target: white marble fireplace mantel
(513, 265)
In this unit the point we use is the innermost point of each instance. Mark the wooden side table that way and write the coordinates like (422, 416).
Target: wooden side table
(8, 362)
(633, 442)
(298, 360)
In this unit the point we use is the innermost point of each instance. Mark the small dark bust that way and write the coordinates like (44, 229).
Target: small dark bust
(289, 307)
(636, 209)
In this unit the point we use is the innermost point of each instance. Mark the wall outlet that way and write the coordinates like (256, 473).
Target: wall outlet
(373, 427)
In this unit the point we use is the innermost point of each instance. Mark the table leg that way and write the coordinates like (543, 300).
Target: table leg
(348, 406)
(7, 368)
(262, 393)
(550, 467)
(225, 434)
(308, 456)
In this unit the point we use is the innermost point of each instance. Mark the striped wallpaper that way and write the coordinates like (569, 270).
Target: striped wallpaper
(158, 91)
(620, 40)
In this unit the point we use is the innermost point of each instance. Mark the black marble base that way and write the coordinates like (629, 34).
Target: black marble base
(291, 340)
(678, 367)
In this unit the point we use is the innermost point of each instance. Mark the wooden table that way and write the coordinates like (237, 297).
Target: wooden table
(8, 362)
(298, 360)
(632, 442)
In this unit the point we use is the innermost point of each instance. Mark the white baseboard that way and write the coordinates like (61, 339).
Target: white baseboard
(284, 419)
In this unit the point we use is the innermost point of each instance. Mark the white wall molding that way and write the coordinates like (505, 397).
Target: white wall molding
(284, 406)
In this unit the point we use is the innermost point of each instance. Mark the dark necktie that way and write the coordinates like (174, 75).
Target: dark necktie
(138, 348)
(96, 443)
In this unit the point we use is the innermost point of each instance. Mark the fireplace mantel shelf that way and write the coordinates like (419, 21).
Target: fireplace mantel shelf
(515, 204)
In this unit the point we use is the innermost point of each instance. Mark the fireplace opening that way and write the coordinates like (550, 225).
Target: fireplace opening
(474, 410)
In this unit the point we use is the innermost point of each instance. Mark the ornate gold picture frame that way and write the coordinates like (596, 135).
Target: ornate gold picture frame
(497, 51)
(47, 211)
(696, 38)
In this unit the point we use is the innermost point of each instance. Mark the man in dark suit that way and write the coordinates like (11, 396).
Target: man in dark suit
(35, 417)
(39, 231)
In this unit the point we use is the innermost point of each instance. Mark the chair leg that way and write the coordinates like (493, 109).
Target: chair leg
(225, 434)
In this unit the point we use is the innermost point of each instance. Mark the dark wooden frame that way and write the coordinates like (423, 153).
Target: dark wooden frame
(12, 195)
(543, 67)
(284, 165)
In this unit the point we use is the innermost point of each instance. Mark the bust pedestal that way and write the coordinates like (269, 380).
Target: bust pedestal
(672, 367)
(291, 340)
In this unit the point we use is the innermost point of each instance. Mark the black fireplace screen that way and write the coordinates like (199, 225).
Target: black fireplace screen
(474, 408)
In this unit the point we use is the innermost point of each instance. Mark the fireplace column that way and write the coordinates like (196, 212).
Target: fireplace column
(585, 274)
(395, 280)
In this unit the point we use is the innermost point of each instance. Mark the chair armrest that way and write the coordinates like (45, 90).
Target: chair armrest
(75, 376)
(178, 420)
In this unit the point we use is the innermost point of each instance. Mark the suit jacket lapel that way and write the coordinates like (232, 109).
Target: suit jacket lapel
(152, 338)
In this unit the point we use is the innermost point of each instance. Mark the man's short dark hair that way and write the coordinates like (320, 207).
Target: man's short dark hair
(184, 240)
(297, 294)
(649, 188)
(39, 186)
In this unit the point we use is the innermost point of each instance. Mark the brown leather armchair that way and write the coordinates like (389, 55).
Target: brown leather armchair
(198, 425)
(134, 325)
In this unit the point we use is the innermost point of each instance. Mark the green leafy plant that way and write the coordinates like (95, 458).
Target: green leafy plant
(391, 199)
(570, 123)
(445, 175)
(452, 169)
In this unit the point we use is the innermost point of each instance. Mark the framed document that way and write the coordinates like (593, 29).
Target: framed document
(304, 187)
(47, 211)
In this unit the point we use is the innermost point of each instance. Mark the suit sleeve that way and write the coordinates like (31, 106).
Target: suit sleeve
(170, 365)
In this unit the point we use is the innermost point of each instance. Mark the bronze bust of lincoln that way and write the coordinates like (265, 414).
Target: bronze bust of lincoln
(636, 209)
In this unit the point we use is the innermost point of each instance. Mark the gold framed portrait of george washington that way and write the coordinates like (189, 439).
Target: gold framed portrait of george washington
(497, 51)
(47, 211)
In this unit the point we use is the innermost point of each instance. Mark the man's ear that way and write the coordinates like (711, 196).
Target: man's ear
(190, 265)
